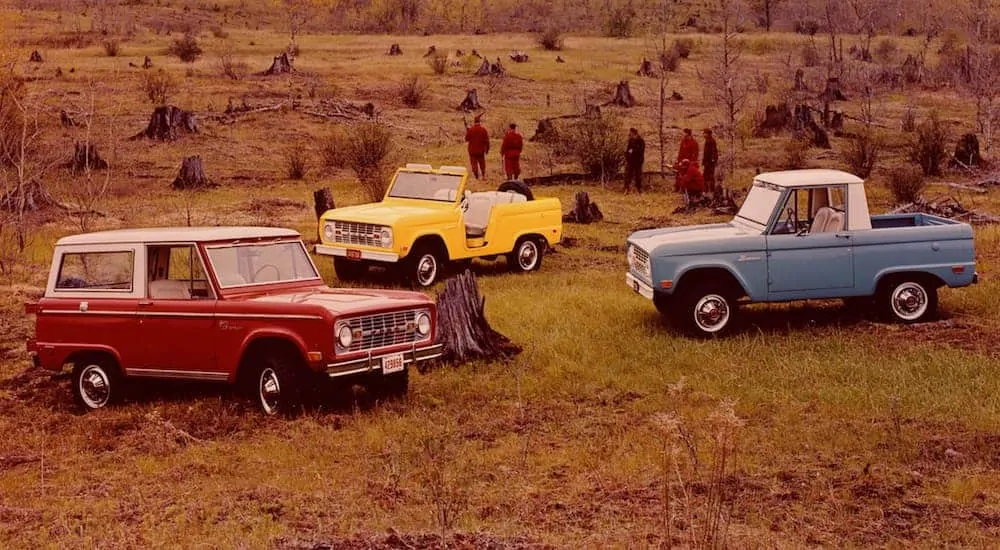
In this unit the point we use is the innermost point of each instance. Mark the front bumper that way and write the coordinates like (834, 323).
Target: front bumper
(373, 362)
(638, 286)
(372, 255)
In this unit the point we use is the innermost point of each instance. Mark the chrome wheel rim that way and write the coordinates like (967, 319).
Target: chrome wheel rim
(270, 391)
(909, 301)
(527, 255)
(711, 313)
(95, 386)
(426, 269)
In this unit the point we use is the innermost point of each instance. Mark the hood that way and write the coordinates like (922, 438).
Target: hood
(390, 211)
(695, 238)
(346, 301)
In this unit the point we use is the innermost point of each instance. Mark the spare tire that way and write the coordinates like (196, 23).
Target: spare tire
(517, 187)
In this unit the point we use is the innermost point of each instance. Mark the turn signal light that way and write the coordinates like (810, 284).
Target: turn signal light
(315, 355)
(958, 269)
(666, 284)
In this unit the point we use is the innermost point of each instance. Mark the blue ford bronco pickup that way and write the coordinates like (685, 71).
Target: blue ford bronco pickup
(799, 235)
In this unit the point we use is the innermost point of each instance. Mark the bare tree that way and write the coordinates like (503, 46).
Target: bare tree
(764, 10)
(90, 190)
(982, 62)
(297, 13)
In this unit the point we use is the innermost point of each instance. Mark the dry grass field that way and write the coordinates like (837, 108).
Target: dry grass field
(812, 427)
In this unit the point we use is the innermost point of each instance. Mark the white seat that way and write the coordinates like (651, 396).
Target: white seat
(827, 220)
(478, 214)
(165, 289)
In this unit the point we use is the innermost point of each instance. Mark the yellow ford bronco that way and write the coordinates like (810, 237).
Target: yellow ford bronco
(428, 218)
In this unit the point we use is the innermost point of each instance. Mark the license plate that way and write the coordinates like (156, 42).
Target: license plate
(392, 363)
(353, 254)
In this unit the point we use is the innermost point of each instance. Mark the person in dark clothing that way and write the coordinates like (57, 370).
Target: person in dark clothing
(709, 160)
(635, 155)
(479, 145)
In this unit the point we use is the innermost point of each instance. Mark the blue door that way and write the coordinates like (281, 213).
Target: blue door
(810, 263)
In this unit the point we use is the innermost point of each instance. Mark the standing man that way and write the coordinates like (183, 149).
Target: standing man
(709, 160)
(635, 155)
(510, 152)
(479, 145)
(688, 150)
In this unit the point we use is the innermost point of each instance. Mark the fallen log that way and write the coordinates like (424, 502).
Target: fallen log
(947, 207)
(462, 327)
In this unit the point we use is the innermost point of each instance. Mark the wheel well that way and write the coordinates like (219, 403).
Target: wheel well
(435, 242)
(534, 236)
(92, 355)
(263, 347)
(716, 275)
(929, 279)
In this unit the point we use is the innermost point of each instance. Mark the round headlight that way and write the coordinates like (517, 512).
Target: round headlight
(423, 324)
(328, 231)
(386, 236)
(345, 336)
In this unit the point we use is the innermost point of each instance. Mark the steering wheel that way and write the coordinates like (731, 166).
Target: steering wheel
(464, 204)
(792, 221)
(277, 272)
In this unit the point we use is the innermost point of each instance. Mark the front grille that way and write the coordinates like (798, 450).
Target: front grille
(383, 329)
(640, 260)
(363, 234)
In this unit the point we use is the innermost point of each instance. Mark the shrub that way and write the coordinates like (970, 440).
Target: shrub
(112, 48)
(186, 48)
(929, 149)
(334, 151)
(12, 120)
(886, 51)
(862, 152)
(807, 26)
(438, 63)
(683, 47)
(906, 183)
(158, 86)
(296, 163)
(598, 143)
(366, 149)
(621, 23)
(230, 67)
(810, 55)
(551, 39)
(670, 60)
(412, 91)
(796, 152)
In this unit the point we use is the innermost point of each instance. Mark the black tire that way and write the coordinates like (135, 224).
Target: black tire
(275, 385)
(518, 187)
(349, 270)
(390, 387)
(705, 311)
(424, 266)
(527, 255)
(665, 304)
(908, 299)
(97, 382)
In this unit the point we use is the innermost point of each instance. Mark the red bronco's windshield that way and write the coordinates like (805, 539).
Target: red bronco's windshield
(238, 265)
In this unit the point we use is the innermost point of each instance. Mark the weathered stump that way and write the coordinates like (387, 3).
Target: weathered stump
(545, 132)
(66, 120)
(147, 63)
(166, 122)
(912, 70)
(804, 122)
(676, 96)
(486, 68)
(519, 57)
(395, 50)
(431, 51)
(832, 91)
(35, 57)
(646, 68)
(30, 197)
(967, 151)
(459, 53)
(776, 119)
(559, 59)
(85, 157)
(192, 175)
(475, 54)
(462, 327)
(800, 82)
(280, 65)
(583, 210)
(323, 201)
(623, 95)
(837, 123)
(471, 101)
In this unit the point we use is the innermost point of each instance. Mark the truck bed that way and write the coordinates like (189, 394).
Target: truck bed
(889, 221)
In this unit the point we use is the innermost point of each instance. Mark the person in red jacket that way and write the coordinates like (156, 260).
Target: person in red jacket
(479, 145)
(691, 180)
(510, 152)
(688, 150)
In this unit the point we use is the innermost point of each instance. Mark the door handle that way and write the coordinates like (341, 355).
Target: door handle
(842, 235)
(145, 302)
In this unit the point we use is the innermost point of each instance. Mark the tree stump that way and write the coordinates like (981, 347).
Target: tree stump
(776, 119)
(545, 132)
(676, 96)
(559, 59)
(800, 82)
(486, 68)
(804, 122)
(583, 210)
(459, 53)
(66, 120)
(147, 63)
(475, 54)
(623, 95)
(280, 65)
(837, 123)
(462, 327)
(35, 57)
(832, 91)
(646, 68)
(431, 51)
(471, 101)
(31, 197)
(85, 157)
(967, 151)
(395, 50)
(912, 70)
(166, 122)
(192, 175)
(323, 201)
(519, 57)
(592, 111)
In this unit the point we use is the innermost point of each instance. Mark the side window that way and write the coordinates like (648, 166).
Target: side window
(96, 271)
(838, 198)
(794, 215)
(176, 272)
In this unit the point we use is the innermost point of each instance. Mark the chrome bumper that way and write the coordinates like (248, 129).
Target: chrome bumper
(373, 362)
(638, 286)
(327, 250)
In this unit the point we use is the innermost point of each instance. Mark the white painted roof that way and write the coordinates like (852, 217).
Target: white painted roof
(176, 234)
(812, 176)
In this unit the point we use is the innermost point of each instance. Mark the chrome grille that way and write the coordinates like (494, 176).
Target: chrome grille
(363, 234)
(383, 330)
(640, 260)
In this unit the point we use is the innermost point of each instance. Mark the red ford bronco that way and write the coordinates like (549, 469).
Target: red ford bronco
(238, 305)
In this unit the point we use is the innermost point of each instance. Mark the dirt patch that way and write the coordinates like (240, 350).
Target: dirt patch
(402, 541)
(958, 333)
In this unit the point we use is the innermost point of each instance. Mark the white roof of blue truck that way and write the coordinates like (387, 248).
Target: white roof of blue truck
(177, 234)
(808, 177)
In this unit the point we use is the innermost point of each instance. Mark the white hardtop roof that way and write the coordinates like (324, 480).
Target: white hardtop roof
(808, 177)
(177, 234)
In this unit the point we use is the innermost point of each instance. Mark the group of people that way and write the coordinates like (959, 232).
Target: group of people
(690, 179)
(479, 146)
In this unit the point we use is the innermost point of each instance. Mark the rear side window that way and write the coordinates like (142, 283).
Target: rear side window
(96, 271)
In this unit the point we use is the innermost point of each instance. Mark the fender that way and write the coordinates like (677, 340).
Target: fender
(54, 356)
(257, 334)
(684, 269)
